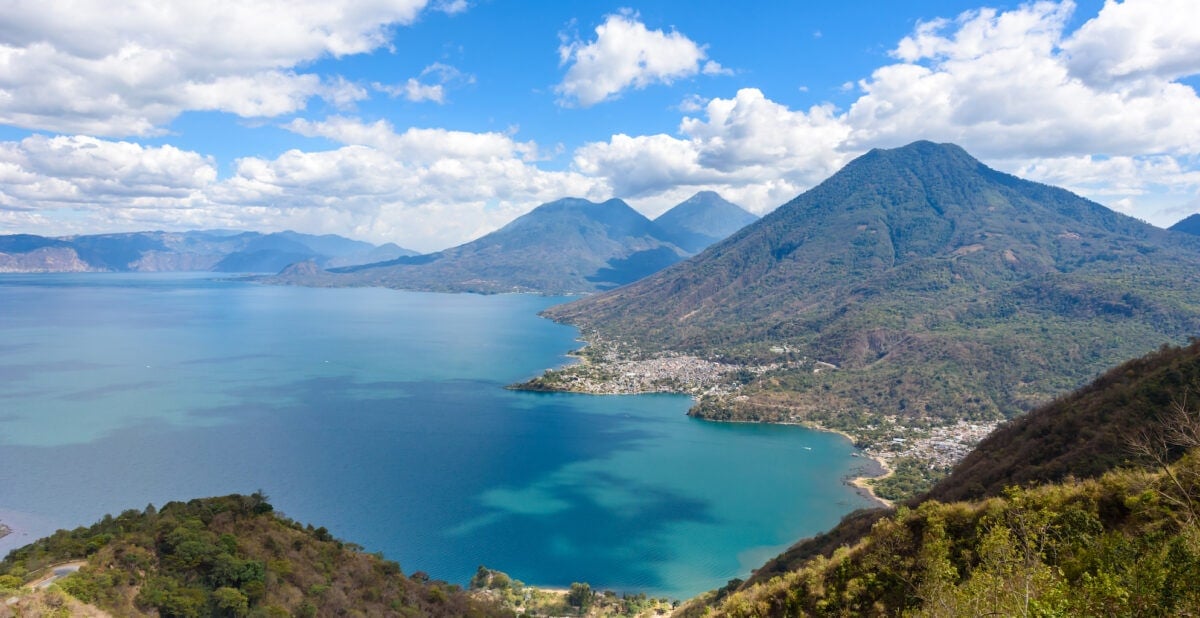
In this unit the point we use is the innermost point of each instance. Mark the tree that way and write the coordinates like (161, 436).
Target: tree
(581, 596)
(231, 602)
(1178, 432)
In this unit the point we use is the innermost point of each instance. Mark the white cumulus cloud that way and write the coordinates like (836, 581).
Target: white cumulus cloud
(422, 188)
(1099, 110)
(440, 76)
(68, 171)
(1137, 40)
(1105, 110)
(747, 146)
(1002, 85)
(127, 68)
(627, 54)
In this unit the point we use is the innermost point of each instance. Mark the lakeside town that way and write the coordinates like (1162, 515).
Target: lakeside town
(606, 368)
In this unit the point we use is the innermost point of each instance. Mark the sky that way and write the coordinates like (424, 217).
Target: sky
(431, 122)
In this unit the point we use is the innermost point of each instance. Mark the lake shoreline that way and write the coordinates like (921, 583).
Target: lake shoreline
(681, 375)
(875, 470)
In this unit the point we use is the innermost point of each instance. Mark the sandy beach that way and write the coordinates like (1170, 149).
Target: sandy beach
(864, 486)
(881, 471)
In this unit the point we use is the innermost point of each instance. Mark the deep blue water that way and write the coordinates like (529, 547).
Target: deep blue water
(382, 416)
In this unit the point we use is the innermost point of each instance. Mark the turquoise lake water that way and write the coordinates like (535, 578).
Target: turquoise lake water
(382, 416)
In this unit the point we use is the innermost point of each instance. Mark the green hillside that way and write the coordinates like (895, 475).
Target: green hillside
(1087, 506)
(1081, 435)
(1113, 546)
(231, 556)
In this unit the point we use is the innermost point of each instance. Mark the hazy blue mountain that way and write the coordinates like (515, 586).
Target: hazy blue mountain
(215, 250)
(566, 246)
(937, 285)
(383, 253)
(702, 220)
(30, 253)
(1188, 225)
(327, 244)
(24, 243)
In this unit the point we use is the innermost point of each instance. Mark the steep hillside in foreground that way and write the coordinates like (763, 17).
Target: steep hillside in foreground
(701, 220)
(1070, 516)
(232, 556)
(940, 289)
(1120, 545)
(1081, 435)
(563, 247)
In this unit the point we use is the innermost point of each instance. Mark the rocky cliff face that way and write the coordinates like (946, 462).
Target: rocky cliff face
(44, 260)
(161, 261)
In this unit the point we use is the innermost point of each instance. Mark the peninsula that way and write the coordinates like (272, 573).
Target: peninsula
(911, 457)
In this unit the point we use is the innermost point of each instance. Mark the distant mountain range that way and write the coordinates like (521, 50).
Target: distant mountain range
(701, 220)
(937, 286)
(563, 247)
(218, 251)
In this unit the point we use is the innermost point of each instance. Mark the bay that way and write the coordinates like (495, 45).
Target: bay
(382, 415)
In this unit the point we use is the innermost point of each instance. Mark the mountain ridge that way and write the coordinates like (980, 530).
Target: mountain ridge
(197, 250)
(567, 246)
(927, 279)
(702, 220)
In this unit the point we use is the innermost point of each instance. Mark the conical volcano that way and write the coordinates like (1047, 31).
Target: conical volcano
(936, 285)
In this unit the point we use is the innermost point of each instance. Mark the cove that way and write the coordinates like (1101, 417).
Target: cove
(382, 415)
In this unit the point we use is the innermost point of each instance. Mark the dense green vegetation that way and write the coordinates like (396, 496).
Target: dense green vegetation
(909, 477)
(1083, 434)
(1114, 546)
(941, 289)
(578, 600)
(234, 556)
(231, 556)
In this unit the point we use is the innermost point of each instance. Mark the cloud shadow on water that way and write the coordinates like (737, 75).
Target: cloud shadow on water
(605, 529)
(389, 465)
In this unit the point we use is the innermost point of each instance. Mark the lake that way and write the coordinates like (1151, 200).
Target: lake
(382, 415)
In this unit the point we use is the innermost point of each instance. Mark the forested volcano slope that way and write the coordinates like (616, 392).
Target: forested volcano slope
(938, 286)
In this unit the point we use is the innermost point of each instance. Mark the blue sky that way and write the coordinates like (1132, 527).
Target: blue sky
(430, 123)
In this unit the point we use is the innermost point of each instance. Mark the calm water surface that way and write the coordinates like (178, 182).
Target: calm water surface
(382, 416)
